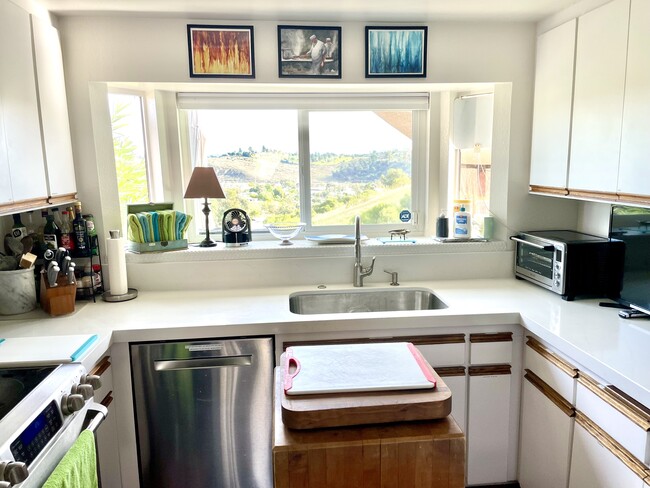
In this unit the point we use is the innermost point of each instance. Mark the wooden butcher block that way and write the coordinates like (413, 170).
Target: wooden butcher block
(352, 385)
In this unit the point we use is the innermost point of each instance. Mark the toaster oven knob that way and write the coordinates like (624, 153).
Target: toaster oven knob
(92, 380)
(5, 484)
(86, 391)
(72, 403)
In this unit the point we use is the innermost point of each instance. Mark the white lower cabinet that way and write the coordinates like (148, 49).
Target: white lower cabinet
(598, 462)
(107, 443)
(456, 380)
(488, 425)
(546, 432)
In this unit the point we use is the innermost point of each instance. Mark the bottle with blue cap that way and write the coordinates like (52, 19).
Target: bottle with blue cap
(462, 224)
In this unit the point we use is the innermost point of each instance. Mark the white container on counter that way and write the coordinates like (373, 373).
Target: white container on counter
(17, 291)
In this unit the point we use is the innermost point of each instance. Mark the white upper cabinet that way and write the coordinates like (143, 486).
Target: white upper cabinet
(634, 170)
(598, 97)
(54, 109)
(22, 133)
(552, 106)
(6, 195)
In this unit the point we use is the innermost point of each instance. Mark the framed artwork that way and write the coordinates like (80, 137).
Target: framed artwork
(221, 51)
(309, 52)
(396, 52)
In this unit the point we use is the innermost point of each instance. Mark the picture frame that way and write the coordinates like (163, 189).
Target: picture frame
(396, 51)
(221, 51)
(300, 57)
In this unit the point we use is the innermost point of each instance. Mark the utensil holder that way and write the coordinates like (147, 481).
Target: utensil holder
(60, 299)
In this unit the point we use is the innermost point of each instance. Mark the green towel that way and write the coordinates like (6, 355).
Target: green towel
(78, 468)
(135, 233)
(168, 223)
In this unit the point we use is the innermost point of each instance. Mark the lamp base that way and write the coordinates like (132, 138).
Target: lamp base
(207, 243)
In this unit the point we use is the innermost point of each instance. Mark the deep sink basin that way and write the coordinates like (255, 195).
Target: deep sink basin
(362, 300)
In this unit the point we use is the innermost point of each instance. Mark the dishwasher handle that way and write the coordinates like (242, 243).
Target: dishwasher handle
(202, 363)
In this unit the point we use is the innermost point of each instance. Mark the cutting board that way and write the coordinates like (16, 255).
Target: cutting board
(310, 370)
(44, 350)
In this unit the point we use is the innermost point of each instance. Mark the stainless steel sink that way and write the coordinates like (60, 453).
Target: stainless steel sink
(365, 300)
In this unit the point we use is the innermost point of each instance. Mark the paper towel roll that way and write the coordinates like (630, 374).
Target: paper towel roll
(116, 264)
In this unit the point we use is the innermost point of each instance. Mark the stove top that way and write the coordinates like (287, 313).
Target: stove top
(17, 383)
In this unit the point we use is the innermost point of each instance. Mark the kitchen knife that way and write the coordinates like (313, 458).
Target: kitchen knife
(66, 264)
(71, 279)
(52, 274)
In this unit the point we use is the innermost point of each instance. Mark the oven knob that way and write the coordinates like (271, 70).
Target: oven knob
(93, 380)
(86, 391)
(13, 472)
(5, 484)
(72, 403)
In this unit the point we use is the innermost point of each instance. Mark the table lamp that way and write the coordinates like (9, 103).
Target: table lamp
(204, 184)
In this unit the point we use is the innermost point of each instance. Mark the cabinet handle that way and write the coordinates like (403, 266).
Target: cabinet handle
(497, 369)
(491, 337)
(611, 445)
(448, 371)
(550, 393)
(202, 363)
(635, 414)
(101, 367)
(108, 399)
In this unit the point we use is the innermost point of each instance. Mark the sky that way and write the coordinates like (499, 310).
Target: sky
(339, 132)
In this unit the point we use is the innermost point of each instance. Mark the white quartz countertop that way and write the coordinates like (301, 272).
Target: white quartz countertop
(613, 348)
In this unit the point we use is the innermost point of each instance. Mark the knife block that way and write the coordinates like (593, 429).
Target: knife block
(58, 300)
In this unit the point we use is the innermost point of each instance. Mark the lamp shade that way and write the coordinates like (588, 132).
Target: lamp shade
(204, 184)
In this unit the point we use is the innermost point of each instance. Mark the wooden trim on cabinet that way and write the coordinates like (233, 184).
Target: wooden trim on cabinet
(551, 357)
(61, 199)
(496, 369)
(22, 205)
(640, 416)
(101, 367)
(416, 340)
(549, 393)
(638, 199)
(108, 399)
(605, 440)
(593, 195)
(447, 371)
(491, 337)
(548, 190)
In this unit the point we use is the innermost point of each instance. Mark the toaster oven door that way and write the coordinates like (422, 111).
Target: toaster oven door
(538, 264)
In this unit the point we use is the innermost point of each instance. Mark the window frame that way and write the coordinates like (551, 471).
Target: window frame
(419, 159)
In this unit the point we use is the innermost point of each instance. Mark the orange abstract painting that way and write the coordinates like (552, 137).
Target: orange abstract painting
(221, 51)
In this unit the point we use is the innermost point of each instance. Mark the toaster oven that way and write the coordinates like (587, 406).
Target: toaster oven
(569, 263)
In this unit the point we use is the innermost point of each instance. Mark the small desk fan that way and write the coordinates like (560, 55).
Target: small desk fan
(236, 228)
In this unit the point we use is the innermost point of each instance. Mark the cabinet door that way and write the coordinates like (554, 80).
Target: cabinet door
(595, 466)
(107, 445)
(549, 158)
(5, 178)
(546, 429)
(456, 381)
(634, 170)
(488, 424)
(19, 105)
(598, 97)
(54, 109)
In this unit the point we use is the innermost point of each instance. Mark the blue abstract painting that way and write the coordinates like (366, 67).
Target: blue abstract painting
(396, 52)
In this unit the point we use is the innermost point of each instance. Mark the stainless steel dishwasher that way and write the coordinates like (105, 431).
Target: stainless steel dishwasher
(203, 412)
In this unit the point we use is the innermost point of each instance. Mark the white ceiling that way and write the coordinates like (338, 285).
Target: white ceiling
(320, 11)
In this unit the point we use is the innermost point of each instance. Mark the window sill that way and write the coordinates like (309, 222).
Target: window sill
(307, 249)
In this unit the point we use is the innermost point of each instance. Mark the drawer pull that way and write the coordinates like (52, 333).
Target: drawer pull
(552, 357)
(497, 369)
(108, 399)
(491, 337)
(611, 445)
(550, 393)
(634, 413)
(447, 371)
(101, 367)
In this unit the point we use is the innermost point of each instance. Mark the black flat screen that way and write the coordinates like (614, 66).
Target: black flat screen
(632, 226)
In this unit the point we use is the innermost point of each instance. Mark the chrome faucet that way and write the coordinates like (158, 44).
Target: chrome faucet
(359, 271)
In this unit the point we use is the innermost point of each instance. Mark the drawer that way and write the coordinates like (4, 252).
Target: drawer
(441, 350)
(490, 348)
(551, 369)
(625, 421)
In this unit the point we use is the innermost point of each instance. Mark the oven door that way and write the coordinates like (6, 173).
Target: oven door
(90, 417)
(539, 262)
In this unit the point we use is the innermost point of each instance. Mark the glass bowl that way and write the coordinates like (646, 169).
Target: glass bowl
(285, 232)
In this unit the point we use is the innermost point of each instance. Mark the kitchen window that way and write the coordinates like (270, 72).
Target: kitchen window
(316, 159)
(138, 179)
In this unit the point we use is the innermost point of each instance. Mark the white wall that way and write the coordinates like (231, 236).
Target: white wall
(137, 49)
